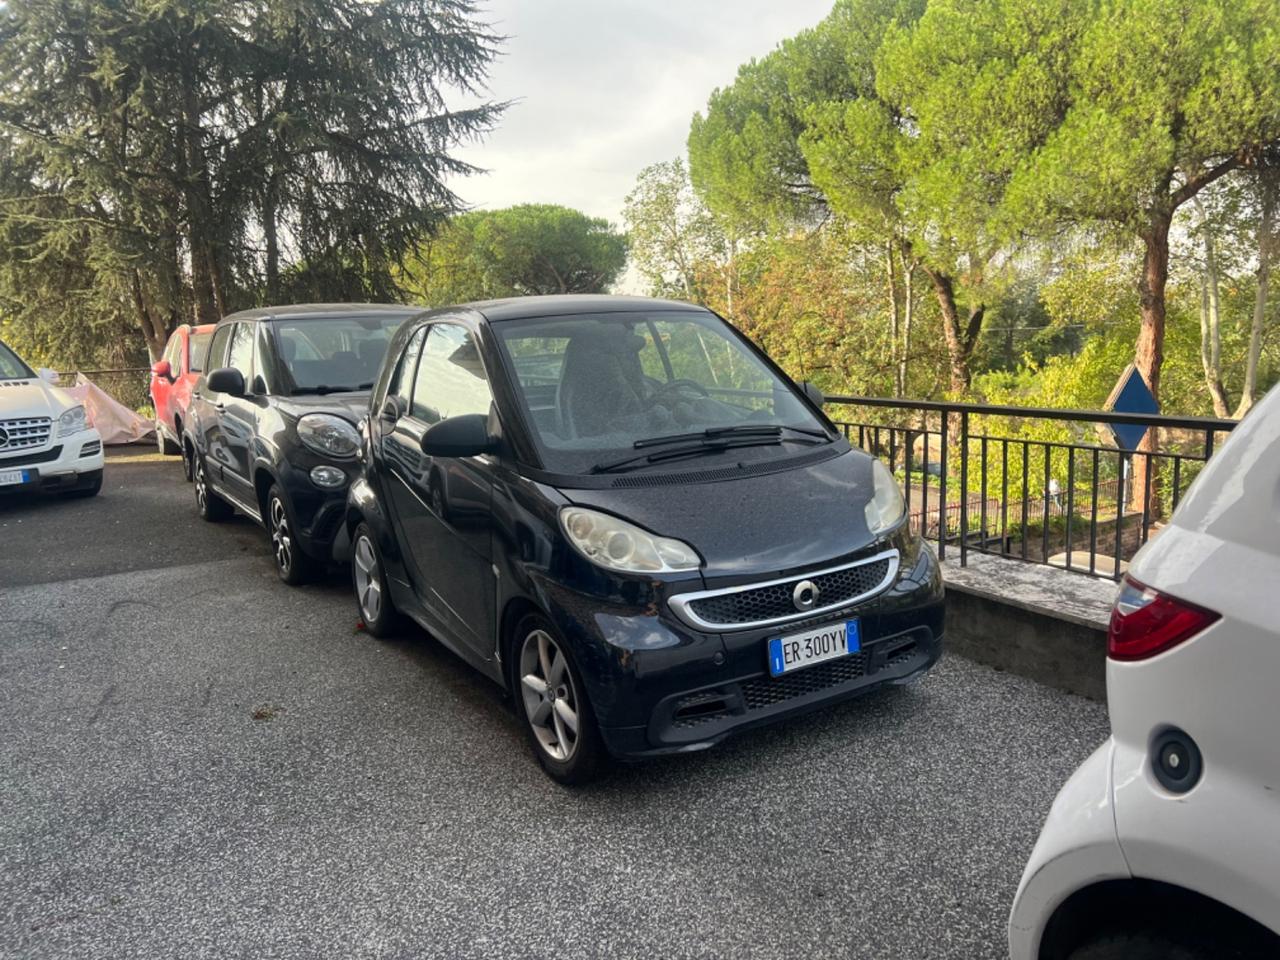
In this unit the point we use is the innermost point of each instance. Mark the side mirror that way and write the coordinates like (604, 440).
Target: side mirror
(161, 369)
(814, 394)
(463, 436)
(392, 410)
(47, 375)
(226, 380)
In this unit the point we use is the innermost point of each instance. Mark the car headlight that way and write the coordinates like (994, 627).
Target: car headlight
(73, 421)
(886, 506)
(617, 545)
(329, 435)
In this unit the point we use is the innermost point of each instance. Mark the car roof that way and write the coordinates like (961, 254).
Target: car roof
(521, 308)
(316, 311)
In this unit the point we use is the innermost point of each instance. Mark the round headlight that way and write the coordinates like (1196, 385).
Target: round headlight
(329, 435)
(330, 478)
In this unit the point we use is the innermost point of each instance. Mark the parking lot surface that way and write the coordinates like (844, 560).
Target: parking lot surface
(198, 761)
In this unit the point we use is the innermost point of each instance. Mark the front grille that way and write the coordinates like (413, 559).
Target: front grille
(24, 434)
(44, 456)
(774, 601)
(700, 708)
(766, 691)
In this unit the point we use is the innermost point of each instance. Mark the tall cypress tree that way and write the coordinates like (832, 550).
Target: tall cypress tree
(173, 160)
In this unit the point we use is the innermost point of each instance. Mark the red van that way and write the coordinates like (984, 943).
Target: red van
(173, 377)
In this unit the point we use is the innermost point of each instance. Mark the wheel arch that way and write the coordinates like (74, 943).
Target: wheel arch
(1140, 903)
(264, 479)
(515, 610)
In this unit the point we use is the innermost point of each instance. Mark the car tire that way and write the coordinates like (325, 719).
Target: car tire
(369, 582)
(188, 461)
(551, 700)
(211, 507)
(166, 446)
(1182, 943)
(293, 566)
(88, 486)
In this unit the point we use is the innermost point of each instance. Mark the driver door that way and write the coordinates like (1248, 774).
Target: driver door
(443, 504)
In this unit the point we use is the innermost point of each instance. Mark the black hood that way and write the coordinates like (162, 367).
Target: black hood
(768, 524)
(352, 405)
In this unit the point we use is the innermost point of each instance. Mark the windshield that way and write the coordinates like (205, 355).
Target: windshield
(333, 353)
(595, 387)
(11, 366)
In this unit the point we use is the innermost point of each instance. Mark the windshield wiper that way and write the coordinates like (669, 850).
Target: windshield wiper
(737, 430)
(701, 446)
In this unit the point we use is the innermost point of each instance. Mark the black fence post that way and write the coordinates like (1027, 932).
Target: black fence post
(964, 488)
(942, 493)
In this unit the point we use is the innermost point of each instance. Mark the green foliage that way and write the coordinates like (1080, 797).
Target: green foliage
(670, 230)
(1156, 93)
(524, 250)
(169, 160)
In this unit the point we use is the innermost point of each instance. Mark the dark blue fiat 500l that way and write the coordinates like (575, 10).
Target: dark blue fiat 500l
(622, 511)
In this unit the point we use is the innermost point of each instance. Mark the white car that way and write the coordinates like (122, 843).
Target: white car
(1166, 842)
(46, 440)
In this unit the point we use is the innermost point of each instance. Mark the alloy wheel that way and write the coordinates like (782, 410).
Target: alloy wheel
(202, 490)
(551, 701)
(368, 580)
(281, 540)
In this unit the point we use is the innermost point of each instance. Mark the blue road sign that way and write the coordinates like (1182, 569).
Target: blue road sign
(1131, 395)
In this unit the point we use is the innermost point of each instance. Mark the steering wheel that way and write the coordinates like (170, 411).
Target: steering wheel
(671, 385)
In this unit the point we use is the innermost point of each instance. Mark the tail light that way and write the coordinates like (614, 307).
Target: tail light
(1145, 622)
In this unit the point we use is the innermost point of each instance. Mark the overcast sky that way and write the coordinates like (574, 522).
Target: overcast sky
(606, 87)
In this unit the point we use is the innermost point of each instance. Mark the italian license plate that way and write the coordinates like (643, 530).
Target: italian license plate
(801, 650)
(9, 477)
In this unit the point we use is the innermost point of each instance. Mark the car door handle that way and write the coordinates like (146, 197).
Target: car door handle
(219, 405)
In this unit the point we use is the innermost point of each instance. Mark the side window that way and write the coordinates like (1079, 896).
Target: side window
(265, 362)
(241, 356)
(198, 349)
(173, 353)
(401, 384)
(450, 380)
(218, 348)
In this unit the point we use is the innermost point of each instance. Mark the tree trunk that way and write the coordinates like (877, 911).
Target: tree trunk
(894, 318)
(1149, 351)
(960, 342)
(908, 310)
(1270, 189)
(153, 329)
(199, 218)
(1211, 326)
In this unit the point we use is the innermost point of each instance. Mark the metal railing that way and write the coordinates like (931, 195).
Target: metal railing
(1026, 482)
(128, 385)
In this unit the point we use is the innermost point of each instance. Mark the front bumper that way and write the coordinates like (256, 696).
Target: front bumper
(319, 512)
(67, 464)
(658, 686)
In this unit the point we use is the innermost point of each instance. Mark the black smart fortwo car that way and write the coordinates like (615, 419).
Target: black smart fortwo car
(622, 511)
(273, 422)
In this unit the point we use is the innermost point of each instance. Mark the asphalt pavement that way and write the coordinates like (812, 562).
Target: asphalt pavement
(197, 761)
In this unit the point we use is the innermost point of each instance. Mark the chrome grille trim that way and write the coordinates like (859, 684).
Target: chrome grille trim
(25, 433)
(681, 604)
